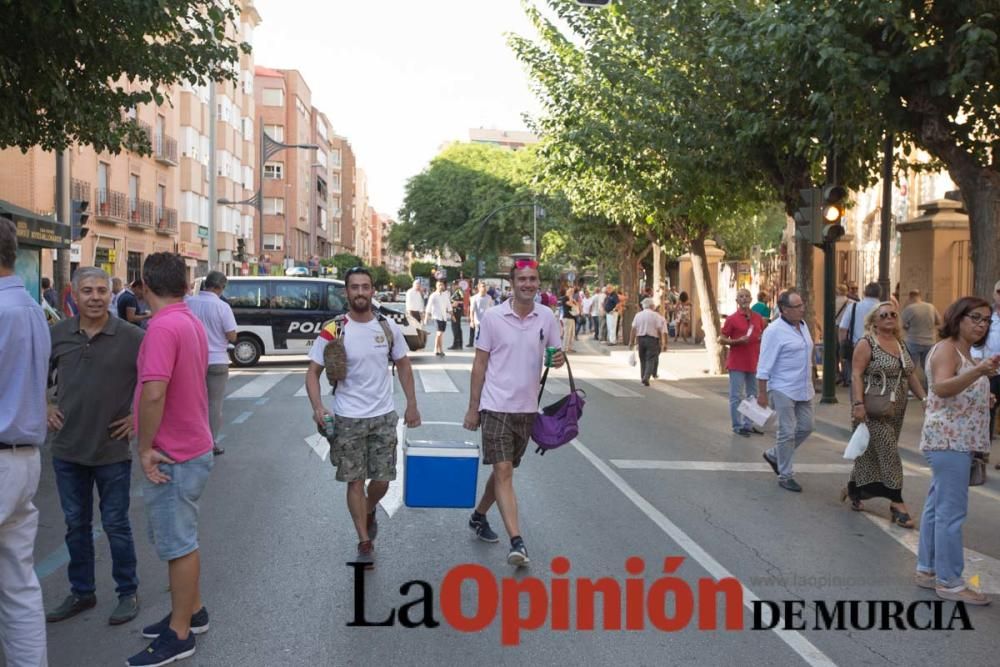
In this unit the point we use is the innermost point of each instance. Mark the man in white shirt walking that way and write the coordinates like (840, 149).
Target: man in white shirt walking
(650, 330)
(784, 375)
(220, 329)
(439, 310)
(478, 306)
(415, 302)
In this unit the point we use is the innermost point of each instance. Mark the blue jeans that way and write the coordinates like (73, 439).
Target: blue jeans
(944, 513)
(742, 384)
(75, 484)
(795, 423)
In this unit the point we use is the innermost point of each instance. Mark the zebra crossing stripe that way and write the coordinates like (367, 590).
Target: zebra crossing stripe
(612, 388)
(324, 387)
(436, 381)
(257, 387)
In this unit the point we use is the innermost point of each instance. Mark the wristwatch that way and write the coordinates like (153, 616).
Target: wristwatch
(857, 403)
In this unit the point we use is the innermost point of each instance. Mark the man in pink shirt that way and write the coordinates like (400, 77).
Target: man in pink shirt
(175, 451)
(503, 398)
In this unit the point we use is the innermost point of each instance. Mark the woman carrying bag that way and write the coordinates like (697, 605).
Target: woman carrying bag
(881, 374)
(956, 424)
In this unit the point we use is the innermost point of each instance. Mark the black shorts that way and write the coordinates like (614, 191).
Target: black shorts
(442, 325)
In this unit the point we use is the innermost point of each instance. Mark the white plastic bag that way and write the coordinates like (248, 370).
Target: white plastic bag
(752, 410)
(858, 444)
(631, 359)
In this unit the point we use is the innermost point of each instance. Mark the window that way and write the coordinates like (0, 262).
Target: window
(246, 294)
(300, 106)
(335, 157)
(274, 241)
(294, 295)
(336, 298)
(321, 216)
(335, 182)
(274, 170)
(274, 206)
(321, 129)
(133, 192)
(161, 197)
(276, 132)
(321, 158)
(103, 169)
(272, 97)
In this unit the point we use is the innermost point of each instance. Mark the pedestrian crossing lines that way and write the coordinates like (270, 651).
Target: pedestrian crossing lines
(258, 386)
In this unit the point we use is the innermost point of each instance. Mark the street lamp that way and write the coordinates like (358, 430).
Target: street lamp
(268, 148)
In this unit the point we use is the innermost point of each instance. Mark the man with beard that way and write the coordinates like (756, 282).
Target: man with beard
(503, 399)
(363, 446)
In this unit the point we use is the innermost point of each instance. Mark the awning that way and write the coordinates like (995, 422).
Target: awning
(36, 230)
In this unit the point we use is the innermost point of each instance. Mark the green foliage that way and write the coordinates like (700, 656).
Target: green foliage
(70, 70)
(421, 269)
(402, 281)
(343, 261)
(380, 276)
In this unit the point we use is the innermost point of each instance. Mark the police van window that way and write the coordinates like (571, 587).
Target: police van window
(246, 294)
(296, 295)
(336, 299)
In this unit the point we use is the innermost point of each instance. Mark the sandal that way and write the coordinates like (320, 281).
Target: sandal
(901, 519)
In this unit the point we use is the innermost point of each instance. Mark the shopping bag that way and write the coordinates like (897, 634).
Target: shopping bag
(751, 409)
(858, 443)
(631, 359)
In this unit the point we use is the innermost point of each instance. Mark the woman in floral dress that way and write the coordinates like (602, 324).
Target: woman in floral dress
(881, 356)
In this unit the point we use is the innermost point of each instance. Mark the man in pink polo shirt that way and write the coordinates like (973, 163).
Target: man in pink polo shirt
(503, 399)
(175, 451)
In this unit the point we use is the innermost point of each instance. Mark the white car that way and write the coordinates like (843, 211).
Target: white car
(297, 271)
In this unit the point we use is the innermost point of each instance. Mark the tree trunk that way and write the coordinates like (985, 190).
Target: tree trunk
(804, 280)
(981, 194)
(631, 266)
(709, 306)
(659, 284)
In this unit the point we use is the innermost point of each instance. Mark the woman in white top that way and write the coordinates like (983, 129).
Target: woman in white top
(956, 425)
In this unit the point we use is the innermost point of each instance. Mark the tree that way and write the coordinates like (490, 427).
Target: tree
(69, 70)
(342, 262)
(402, 281)
(380, 276)
(420, 269)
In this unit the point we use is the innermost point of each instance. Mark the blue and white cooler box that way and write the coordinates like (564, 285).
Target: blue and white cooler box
(440, 473)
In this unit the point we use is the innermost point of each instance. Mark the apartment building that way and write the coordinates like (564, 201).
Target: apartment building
(347, 242)
(376, 238)
(326, 193)
(362, 216)
(512, 139)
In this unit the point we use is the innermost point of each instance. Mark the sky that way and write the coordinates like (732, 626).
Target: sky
(399, 78)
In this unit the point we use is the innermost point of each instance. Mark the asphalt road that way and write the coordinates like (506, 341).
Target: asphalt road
(276, 537)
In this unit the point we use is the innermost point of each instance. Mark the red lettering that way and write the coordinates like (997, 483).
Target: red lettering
(611, 603)
(511, 621)
(560, 594)
(451, 597)
(635, 593)
(732, 591)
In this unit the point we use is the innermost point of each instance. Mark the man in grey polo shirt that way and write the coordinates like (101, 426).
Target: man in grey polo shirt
(94, 357)
(220, 329)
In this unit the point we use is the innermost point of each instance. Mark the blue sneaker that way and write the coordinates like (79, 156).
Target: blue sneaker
(481, 527)
(164, 650)
(199, 624)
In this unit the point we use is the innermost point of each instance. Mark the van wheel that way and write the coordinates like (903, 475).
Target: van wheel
(246, 351)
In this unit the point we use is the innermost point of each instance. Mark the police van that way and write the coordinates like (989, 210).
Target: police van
(280, 316)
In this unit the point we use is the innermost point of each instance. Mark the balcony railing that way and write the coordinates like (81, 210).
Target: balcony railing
(79, 190)
(111, 205)
(140, 213)
(166, 220)
(165, 149)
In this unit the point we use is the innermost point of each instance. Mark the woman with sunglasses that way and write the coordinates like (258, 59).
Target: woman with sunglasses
(956, 424)
(881, 358)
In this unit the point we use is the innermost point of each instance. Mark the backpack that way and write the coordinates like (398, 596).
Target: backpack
(557, 423)
(335, 354)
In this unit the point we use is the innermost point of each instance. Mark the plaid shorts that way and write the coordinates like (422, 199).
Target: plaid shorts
(505, 435)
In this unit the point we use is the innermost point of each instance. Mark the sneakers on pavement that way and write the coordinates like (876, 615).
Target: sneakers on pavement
(745, 432)
(790, 485)
(126, 609)
(366, 554)
(518, 556)
(199, 625)
(964, 594)
(479, 524)
(218, 451)
(164, 650)
(756, 431)
(70, 607)
(372, 524)
(925, 579)
(771, 462)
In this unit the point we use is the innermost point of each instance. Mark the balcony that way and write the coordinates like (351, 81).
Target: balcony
(166, 220)
(111, 206)
(79, 190)
(140, 213)
(165, 149)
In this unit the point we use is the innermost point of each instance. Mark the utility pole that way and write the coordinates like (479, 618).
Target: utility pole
(885, 233)
(213, 253)
(63, 212)
(829, 298)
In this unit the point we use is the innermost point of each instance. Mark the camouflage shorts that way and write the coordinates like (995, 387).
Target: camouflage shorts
(365, 448)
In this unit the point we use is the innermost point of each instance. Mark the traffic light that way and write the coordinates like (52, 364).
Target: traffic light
(241, 250)
(832, 212)
(818, 218)
(78, 219)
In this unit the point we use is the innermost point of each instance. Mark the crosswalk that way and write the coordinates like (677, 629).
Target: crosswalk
(274, 384)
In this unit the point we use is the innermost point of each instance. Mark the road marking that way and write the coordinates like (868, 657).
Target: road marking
(243, 417)
(258, 386)
(436, 381)
(319, 444)
(728, 466)
(798, 643)
(556, 387)
(979, 565)
(393, 498)
(674, 391)
(262, 401)
(609, 387)
(324, 387)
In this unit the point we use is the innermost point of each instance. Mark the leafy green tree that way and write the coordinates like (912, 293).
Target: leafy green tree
(380, 276)
(342, 261)
(420, 269)
(402, 281)
(68, 70)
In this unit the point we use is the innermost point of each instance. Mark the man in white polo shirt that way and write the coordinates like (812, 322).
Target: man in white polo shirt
(503, 398)
(220, 329)
(784, 375)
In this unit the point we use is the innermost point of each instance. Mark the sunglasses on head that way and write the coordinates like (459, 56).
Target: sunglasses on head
(525, 264)
(883, 316)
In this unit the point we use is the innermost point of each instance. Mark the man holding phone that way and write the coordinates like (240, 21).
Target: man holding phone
(94, 357)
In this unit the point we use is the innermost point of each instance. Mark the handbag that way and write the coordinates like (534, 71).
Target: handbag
(557, 424)
(881, 404)
(977, 473)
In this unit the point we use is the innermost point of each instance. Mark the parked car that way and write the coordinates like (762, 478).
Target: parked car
(282, 316)
(297, 271)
